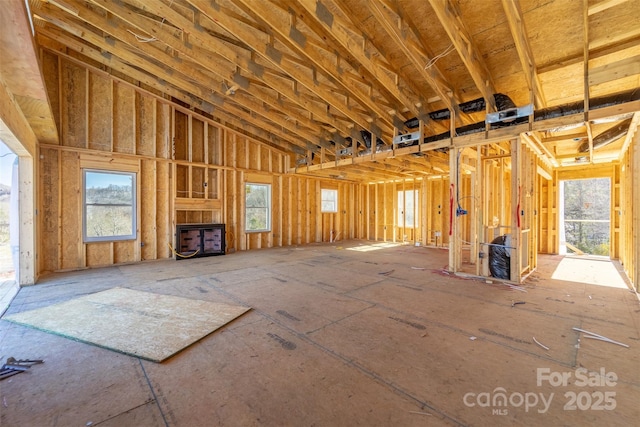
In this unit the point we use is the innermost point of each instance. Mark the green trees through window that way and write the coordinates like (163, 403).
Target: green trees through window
(109, 205)
(587, 204)
(258, 207)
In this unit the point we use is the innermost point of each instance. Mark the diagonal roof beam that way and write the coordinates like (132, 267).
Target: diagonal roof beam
(449, 16)
(208, 51)
(116, 64)
(216, 13)
(604, 5)
(399, 29)
(186, 78)
(312, 53)
(207, 87)
(519, 34)
(343, 37)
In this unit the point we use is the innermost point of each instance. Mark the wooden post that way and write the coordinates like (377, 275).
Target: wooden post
(477, 231)
(455, 261)
(516, 206)
(635, 225)
(27, 185)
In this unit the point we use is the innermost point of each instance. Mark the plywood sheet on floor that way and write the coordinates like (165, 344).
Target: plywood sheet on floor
(147, 325)
(338, 337)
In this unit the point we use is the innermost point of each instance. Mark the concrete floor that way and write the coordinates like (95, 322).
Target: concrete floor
(347, 334)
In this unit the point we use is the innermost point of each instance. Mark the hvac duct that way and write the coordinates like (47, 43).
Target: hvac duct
(547, 113)
(607, 137)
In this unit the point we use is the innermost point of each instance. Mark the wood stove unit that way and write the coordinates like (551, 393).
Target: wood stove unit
(199, 240)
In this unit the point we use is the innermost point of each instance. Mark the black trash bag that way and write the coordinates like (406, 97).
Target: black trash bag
(499, 258)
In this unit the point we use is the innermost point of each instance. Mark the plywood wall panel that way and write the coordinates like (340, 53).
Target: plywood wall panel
(124, 115)
(276, 211)
(181, 136)
(241, 152)
(197, 141)
(145, 125)
(99, 254)
(100, 113)
(51, 75)
(181, 218)
(287, 225)
(124, 252)
(198, 177)
(163, 217)
(234, 226)
(147, 220)
(163, 130)
(389, 207)
(195, 217)
(74, 99)
(49, 172)
(253, 159)
(296, 216)
(266, 159)
(71, 219)
(214, 155)
(231, 142)
(182, 180)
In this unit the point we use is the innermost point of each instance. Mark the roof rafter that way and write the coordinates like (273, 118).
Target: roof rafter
(269, 52)
(399, 31)
(228, 120)
(209, 49)
(519, 34)
(116, 64)
(312, 53)
(449, 16)
(187, 74)
(342, 36)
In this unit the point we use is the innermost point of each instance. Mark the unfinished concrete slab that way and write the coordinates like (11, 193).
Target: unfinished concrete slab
(341, 334)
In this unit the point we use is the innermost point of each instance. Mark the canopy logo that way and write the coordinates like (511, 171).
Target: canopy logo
(499, 400)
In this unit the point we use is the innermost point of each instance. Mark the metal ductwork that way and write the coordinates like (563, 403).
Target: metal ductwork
(544, 114)
(607, 137)
(503, 102)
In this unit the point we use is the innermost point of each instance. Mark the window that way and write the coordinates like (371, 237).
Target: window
(329, 200)
(109, 200)
(258, 207)
(407, 202)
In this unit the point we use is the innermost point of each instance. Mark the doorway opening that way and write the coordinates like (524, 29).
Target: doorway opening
(9, 226)
(585, 235)
(585, 220)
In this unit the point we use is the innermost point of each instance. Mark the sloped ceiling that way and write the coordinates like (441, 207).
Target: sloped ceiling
(308, 76)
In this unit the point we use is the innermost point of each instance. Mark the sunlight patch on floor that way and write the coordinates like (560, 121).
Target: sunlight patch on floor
(589, 270)
(374, 247)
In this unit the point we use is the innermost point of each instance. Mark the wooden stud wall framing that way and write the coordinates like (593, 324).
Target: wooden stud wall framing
(190, 170)
(629, 225)
(193, 169)
(634, 240)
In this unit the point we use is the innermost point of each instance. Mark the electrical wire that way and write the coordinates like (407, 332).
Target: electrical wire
(180, 255)
(141, 39)
(435, 59)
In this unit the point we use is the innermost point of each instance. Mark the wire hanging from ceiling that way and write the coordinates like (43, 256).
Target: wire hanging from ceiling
(142, 39)
(435, 59)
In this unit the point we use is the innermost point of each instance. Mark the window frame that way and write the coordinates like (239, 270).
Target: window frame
(324, 191)
(402, 209)
(268, 208)
(134, 207)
